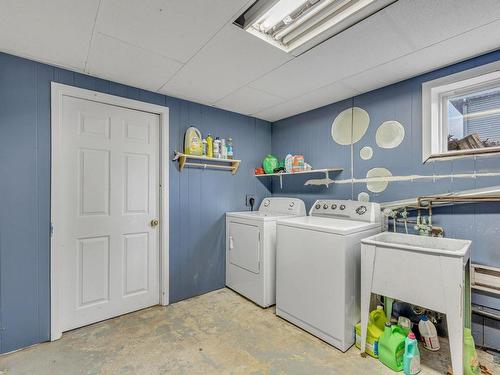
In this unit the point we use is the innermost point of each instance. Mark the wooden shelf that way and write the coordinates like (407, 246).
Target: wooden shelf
(324, 170)
(206, 162)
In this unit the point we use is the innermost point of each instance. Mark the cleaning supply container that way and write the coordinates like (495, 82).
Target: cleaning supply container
(289, 163)
(192, 142)
(411, 359)
(216, 148)
(270, 163)
(375, 329)
(210, 146)
(471, 363)
(298, 163)
(404, 323)
(391, 347)
(428, 333)
(230, 149)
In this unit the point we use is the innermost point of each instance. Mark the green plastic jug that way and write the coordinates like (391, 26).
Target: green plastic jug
(471, 363)
(391, 347)
(270, 163)
(376, 323)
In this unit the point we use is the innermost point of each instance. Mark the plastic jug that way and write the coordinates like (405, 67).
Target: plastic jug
(376, 322)
(270, 163)
(411, 360)
(391, 347)
(428, 333)
(192, 142)
(471, 363)
(210, 146)
(404, 323)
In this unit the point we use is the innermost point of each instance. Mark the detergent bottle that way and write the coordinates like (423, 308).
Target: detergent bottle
(376, 323)
(210, 146)
(404, 323)
(471, 363)
(428, 333)
(192, 142)
(391, 347)
(411, 360)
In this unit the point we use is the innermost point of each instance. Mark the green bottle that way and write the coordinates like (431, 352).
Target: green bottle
(391, 347)
(471, 363)
(270, 163)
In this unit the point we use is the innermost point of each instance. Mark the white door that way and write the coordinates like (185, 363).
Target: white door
(110, 195)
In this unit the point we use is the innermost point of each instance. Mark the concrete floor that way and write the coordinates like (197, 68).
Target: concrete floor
(217, 333)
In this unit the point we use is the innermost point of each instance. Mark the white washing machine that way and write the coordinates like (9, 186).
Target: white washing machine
(251, 248)
(318, 268)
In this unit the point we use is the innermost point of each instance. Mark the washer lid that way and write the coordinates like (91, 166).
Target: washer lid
(330, 225)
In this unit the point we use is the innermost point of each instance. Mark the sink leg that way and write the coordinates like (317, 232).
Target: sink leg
(367, 264)
(453, 283)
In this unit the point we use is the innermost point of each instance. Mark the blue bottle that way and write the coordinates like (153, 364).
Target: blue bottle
(411, 359)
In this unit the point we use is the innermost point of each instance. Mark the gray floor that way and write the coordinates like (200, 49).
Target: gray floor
(217, 333)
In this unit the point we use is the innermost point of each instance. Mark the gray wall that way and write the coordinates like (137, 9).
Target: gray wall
(198, 199)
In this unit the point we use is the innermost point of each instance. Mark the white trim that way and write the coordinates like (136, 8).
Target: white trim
(58, 91)
(434, 133)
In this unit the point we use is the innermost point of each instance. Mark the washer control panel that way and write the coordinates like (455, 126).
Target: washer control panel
(347, 209)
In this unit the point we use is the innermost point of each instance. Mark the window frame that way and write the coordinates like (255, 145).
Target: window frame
(435, 94)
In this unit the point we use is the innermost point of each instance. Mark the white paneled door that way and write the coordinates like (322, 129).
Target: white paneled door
(109, 195)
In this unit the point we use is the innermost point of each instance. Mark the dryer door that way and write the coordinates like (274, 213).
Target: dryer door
(244, 246)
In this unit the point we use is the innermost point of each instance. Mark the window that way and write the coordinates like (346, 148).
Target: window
(461, 114)
(298, 25)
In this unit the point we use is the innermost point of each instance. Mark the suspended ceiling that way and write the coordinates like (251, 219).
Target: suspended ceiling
(191, 50)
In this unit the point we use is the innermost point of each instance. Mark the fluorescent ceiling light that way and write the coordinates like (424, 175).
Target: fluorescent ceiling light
(298, 25)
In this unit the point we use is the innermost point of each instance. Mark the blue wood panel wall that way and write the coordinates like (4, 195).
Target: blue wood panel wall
(198, 199)
(309, 134)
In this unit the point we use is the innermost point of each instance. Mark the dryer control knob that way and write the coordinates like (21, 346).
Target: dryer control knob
(361, 210)
(342, 207)
(334, 206)
(325, 206)
(318, 206)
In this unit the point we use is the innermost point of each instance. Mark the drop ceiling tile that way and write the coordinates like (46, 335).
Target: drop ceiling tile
(176, 29)
(425, 22)
(248, 101)
(363, 46)
(323, 96)
(56, 32)
(121, 62)
(459, 48)
(229, 61)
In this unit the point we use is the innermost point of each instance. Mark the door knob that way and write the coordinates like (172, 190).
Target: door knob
(155, 222)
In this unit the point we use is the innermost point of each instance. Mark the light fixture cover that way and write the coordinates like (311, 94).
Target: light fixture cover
(296, 26)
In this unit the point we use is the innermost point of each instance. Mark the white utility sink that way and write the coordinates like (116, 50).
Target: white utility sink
(430, 272)
(434, 245)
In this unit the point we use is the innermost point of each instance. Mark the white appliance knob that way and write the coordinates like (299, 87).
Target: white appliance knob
(361, 210)
(318, 206)
(334, 206)
(342, 207)
(267, 203)
(325, 206)
(292, 204)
